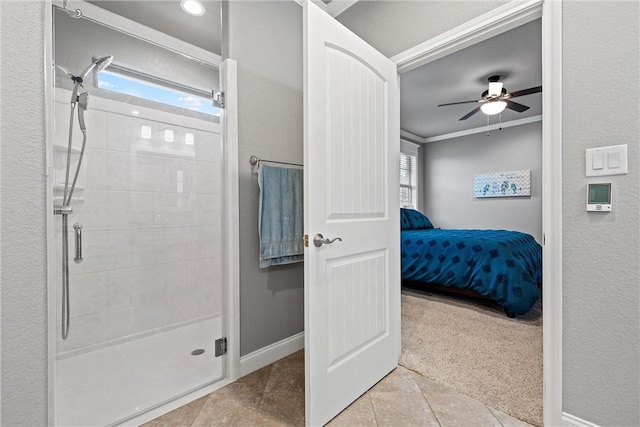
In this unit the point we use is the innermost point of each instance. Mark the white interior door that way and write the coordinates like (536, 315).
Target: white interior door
(351, 158)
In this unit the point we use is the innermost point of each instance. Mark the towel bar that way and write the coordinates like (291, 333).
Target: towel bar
(254, 160)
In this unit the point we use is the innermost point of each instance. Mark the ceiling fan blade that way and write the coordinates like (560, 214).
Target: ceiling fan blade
(461, 102)
(515, 106)
(469, 114)
(525, 91)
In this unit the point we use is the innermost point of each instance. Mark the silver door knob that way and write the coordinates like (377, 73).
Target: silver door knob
(319, 240)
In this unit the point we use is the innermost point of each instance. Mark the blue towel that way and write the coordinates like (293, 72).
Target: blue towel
(280, 222)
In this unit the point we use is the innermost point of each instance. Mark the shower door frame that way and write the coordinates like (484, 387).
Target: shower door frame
(231, 268)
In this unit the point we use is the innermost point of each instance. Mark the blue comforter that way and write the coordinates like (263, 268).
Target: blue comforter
(503, 265)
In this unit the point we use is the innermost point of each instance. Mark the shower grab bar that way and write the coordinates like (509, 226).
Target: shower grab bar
(78, 229)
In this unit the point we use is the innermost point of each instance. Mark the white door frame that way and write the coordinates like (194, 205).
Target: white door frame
(231, 244)
(229, 122)
(497, 21)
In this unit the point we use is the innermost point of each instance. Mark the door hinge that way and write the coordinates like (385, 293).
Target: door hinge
(221, 347)
(306, 240)
(218, 98)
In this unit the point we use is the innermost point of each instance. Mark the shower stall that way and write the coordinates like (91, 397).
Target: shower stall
(138, 269)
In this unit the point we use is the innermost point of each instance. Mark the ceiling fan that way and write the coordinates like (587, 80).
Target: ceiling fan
(496, 99)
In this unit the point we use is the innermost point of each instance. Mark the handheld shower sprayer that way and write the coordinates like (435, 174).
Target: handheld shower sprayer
(99, 64)
(82, 102)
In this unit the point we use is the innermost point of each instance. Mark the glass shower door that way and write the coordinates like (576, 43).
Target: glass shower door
(146, 301)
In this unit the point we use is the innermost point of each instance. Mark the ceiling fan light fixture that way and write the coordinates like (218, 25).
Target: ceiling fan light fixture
(192, 7)
(493, 107)
(495, 88)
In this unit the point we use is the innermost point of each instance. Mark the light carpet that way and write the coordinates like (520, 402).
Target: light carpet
(477, 350)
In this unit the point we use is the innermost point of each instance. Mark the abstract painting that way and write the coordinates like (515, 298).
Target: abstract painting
(502, 184)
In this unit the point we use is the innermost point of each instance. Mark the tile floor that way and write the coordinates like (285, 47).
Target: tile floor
(274, 396)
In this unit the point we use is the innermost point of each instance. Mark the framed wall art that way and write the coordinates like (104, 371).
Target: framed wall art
(502, 184)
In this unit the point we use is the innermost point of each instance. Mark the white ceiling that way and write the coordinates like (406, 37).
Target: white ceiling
(516, 55)
(168, 17)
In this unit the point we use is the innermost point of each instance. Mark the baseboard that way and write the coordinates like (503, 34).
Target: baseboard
(269, 354)
(569, 420)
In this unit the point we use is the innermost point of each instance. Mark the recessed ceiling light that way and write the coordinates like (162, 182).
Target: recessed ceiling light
(192, 7)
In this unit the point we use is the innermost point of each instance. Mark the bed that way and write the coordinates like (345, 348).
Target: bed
(504, 266)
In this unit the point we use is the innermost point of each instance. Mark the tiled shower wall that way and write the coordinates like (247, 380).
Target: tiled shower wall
(149, 199)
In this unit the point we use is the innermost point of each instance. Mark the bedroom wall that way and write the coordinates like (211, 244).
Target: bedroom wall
(601, 349)
(450, 165)
(265, 37)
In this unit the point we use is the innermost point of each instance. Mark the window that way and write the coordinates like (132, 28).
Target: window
(129, 82)
(408, 175)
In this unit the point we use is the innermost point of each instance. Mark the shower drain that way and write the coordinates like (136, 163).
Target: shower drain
(197, 352)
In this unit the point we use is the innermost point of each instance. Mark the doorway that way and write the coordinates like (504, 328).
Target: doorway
(503, 19)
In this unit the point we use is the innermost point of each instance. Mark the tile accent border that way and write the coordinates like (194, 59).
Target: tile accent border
(271, 353)
(569, 420)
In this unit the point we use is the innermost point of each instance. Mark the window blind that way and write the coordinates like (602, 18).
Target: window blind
(408, 178)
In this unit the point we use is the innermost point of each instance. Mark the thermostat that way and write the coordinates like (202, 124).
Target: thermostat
(599, 197)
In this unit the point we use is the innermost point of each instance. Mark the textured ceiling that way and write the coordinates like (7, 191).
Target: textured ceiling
(168, 17)
(516, 55)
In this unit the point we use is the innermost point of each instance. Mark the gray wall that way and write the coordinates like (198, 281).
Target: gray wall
(601, 350)
(265, 38)
(24, 254)
(601, 376)
(450, 165)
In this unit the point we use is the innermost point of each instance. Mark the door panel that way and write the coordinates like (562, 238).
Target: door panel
(357, 299)
(357, 114)
(352, 287)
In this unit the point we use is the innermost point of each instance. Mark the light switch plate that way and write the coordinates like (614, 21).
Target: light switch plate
(611, 160)
(598, 162)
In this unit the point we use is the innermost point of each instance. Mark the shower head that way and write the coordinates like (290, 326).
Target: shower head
(98, 64)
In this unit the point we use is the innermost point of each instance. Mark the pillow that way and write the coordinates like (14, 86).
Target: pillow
(404, 221)
(411, 219)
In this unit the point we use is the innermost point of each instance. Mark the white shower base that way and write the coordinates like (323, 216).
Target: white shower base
(108, 385)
